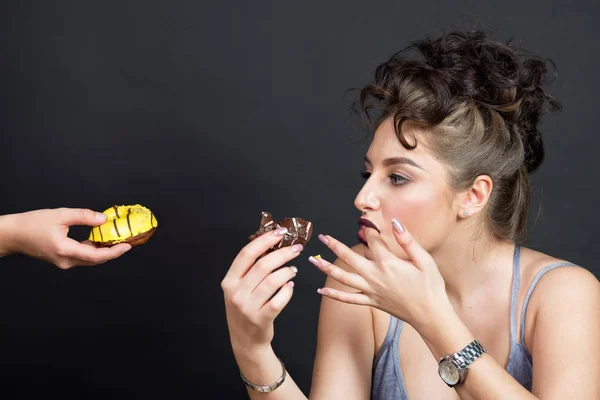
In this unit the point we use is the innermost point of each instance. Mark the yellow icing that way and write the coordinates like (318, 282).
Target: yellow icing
(122, 223)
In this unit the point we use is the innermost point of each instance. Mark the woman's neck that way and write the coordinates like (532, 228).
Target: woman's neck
(469, 265)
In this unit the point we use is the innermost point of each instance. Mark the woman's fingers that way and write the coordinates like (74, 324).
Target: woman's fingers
(273, 307)
(345, 254)
(246, 258)
(72, 253)
(271, 283)
(345, 297)
(269, 263)
(418, 255)
(347, 278)
(380, 251)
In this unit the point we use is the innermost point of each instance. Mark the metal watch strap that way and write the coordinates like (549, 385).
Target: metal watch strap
(266, 388)
(470, 353)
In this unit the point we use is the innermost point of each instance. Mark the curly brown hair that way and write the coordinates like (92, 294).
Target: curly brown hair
(481, 101)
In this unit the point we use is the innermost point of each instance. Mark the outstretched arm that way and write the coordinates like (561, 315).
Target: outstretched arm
(42, 234)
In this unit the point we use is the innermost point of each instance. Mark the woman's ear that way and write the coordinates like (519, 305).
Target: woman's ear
(473, 200)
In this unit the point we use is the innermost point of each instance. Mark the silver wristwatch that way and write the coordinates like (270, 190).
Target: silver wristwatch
(453, 368)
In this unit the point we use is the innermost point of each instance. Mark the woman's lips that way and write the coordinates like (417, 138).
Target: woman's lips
(367, 224)
(364, 223)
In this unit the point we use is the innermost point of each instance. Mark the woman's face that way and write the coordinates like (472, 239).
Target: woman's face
(409, 185)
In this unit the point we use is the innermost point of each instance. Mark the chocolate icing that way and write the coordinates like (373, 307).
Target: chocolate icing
(299, 230)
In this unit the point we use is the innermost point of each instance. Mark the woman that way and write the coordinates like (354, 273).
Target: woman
(439, 301)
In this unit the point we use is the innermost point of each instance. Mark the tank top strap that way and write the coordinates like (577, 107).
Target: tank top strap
(392, 330)
(534, 283)
(389, 339)
(515, 291)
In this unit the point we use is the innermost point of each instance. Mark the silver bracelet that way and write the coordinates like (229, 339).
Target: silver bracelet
(267, 388)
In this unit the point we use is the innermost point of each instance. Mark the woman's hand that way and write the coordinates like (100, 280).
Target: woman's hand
(42, 234)
(410, 290)
(250, 287)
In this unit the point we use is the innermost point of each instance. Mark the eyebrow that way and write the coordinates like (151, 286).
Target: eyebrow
(396, 160)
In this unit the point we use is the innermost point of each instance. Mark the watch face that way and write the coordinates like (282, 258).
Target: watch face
(449, 372)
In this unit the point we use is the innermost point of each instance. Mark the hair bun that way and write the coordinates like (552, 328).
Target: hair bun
(535, 103)
(498, 77)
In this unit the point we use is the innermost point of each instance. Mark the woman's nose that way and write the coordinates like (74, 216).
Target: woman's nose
(366, 199)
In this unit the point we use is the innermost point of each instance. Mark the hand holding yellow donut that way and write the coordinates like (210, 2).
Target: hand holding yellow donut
(43, 234)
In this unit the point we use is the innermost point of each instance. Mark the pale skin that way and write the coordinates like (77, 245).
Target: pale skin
(443, 273)
(43, 234)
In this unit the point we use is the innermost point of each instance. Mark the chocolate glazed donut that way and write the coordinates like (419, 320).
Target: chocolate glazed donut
(133, 224)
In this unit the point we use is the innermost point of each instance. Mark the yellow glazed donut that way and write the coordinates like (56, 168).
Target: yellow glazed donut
(125, 224)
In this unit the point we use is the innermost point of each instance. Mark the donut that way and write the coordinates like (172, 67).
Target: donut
(133, 224)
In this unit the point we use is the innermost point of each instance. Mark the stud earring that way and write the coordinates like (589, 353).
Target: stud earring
(465, 213)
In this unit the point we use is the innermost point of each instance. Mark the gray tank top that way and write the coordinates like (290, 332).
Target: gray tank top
(388, 382)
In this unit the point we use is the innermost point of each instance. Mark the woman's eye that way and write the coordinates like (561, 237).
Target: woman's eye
(365, 174)
(397, 180)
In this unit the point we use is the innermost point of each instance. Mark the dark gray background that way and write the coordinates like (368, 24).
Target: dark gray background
(209, 113)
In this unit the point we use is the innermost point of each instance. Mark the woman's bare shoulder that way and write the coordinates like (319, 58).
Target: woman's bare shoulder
(562, 324)
(571, 281)
(533, 262)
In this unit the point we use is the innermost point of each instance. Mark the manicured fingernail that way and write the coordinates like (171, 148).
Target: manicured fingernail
(280, 232)
(323, 291)
(297, 248)
(100, 216)
(323, 239)
(315, 261)
(290, 284)
(397, 226)
(294, 269)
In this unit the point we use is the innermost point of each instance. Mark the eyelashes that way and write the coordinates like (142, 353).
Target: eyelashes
(395, 179)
